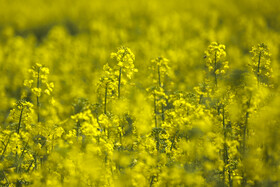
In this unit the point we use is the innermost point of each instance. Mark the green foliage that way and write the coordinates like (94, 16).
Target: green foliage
(74, 113)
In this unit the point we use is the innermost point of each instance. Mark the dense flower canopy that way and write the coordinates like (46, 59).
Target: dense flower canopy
(139, 93)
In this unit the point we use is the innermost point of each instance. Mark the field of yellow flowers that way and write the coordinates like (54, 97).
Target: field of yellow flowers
(139, 93)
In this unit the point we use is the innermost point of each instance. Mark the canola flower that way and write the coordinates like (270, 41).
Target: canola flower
(261, 63)
(125, 65)
(22, 113)
(39, 84)
(160, 68)
(109, 83)
(180, 123)
(215, 57)
(176, 126)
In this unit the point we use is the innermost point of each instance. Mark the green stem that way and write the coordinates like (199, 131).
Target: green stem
(108, 133)
(157, 139)
(38, 102)
(225, 147)
(216, 81)
(152, 181)
(78, 128)
(155, 109)
(162, 112)
(160, 85)
(7, 181)
(20, 117)
(21, 158)
(29, 166)
(245, 129)
(159, 82)
(105, 102)
(173, 141)
(5, 148)
(119, 85)
(200, 99)
(259, 63)
(35, 161)
(120, 138)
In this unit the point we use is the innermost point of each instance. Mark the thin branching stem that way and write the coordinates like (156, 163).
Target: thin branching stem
(38, 102)
(258, 70)
(160, 85)
(216, 81)
(159, 81)
(155, 108)
(105, 99)
(20, 119)
(119, 85)
(5, 147)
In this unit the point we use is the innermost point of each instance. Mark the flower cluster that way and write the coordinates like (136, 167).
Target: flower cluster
(261, 63)
(39, 83)
(22, 114)
(125, 60)
(160, 69)
(192, 132)
(125, 66)
(215, 57)
(107, 86)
